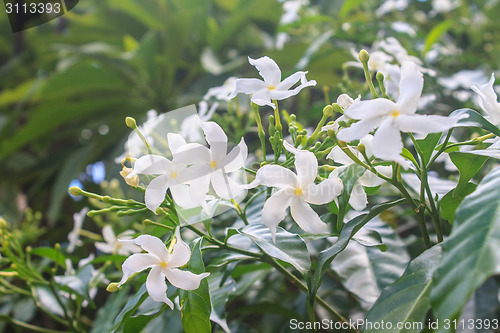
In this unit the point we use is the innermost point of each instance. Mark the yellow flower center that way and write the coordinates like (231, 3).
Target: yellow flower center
(213, 164)
(271, 87)
(298, 191)
(395, 113)
(173, 174)
(163, 264)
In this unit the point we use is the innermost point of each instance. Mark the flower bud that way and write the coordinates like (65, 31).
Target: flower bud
(361, 148)
(132, 181)
(364, 56)
(131, 122)
(75, 190)
(327, 111)
(112, 287)
(337, 108)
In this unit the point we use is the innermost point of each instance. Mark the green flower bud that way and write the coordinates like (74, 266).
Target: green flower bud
(364, 56)
(337, 108)
(131, 122)
(75, 190)
(112, 287)
(327, 111)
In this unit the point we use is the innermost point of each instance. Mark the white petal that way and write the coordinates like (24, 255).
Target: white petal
(184, 279)
(153, 245)
(410, 88)
(306, 217)
(387, 143)
(338, 156)
(274, 210)
(370, 109)
(235, 160)
(489, 99)
(262, 97)
(182, 197)
(369, 179)
(268, 69)
(224, 186)
(358, 199)
(424, 124)
(281, 94)
(359, 129)
(247, 86)
(151, 165)
(306, 164)
(175, 142)
(108, 234)
(324, 192)
(104, 247)
(336, 172)
(180, 253)
(155, 193)
(156, 286)
(137, 263)
(217, 140)
(275, 176)
(198, 188)
(367, 142)
(290, 81)
(192, 153)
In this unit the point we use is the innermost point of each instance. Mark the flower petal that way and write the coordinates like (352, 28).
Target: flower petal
(324, 192)
(268, 69)
(247, 86)
(157, 287)
(137, 263)
(180, 253)
(307, 219)
(370, 109)
(359, 129)
(358, 199)
(489, 99)
(236, 158)
(184, 279)
(424, 124)
(181, 194)
(176, 142)
(369, 179)
(275, 176)
(387, 143)
(104, 247)
(108, 234)
(410, 88)
(153, 245)
(290, 81)
(274, 210)
(224, 186)
(151, 165)
(306, 164)
(217, 140)
(199, 187)
(338, 156)
(155, 193)
(262, 97)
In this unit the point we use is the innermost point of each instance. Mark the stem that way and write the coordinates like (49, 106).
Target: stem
(28, 326)
(261, 133)
(369, 80)
(442, 149)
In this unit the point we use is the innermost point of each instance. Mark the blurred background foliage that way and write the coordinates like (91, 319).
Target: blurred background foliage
(67, 85)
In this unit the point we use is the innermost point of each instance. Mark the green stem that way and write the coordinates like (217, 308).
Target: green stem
(28, 326)
(369, 80)
(260, 128)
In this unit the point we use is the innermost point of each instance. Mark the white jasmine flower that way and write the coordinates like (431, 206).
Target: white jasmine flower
(222, 92)
(391, 5)
(74, 235)
(163, 265)
(291, 10)
(344, 101)
(489, 100)
(463, 79)
(191, 125)
(296, 191)
(271, 88)
(112, 243)
(391, 118)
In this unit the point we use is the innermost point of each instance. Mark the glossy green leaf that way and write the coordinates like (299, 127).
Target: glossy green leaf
(326, 256)
(468, 165)
(289, 247)
(474, 119)
(408, 299)
(471, 254)
(449, 203)
(129, 308)
(428, 144)
(406, 154)
(51, 253)
(195, 304)
(436, 33)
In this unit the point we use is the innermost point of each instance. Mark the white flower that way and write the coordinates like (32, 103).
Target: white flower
(391, 118)
(222, 92)
(163, 264)
(112, 243)
(272, 88)
(344, 101)
(489, 100)
(74, 235)
(296, 191)
(191, 125)
(391, 5)
(358, 199)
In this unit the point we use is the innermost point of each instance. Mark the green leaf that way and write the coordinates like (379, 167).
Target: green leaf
(468, 165)
(219, 295)
(130, 308)
(436, 33)
(474, 119)
(289, 247)
(50, 253)
(406, 154)
(491, 151)
(449, 203)
(471, 253)
(349, 176)
(407, 299)
(326, 256)
(365, 271)
(348, 6)
(195, 304)
(428, 144)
